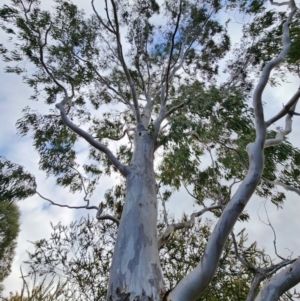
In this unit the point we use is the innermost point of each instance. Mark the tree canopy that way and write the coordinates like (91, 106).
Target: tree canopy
(9, 229)
(141, 82)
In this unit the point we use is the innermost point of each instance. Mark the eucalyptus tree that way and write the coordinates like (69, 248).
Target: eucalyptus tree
(158, 64)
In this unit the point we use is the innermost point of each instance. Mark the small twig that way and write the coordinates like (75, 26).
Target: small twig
(274, 233)
(99, 209)
(249, 266)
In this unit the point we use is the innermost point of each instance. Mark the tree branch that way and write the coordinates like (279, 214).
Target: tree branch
(280, 135)
(243, 261)
(194, 283)
(174, 109)
(99, 209)
(111, 30)
(285, 109)
(273, 230)
(280, 283)
(285, 186)
(125, 68)
(101, 147)
(279, 3)
(174, 227)
(166, 90)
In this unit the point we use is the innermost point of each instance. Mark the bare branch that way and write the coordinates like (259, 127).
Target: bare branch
(165, 96)
(285, 109)
(101, 147)
(280, 135)
(174, 227)
(99, 209)
(248, 265)
(111, 30)
(107, 217)
(285, 186)
(280, 283)
(67, 206)
(274, 233)
(125, 68)
(174, 109)
(280, 3)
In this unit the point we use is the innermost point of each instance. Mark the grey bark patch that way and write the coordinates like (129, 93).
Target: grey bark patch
(143, 241)
(155, 281)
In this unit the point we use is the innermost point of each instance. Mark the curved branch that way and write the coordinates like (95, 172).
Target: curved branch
(194, 283)
(67, 206)
(257, 95)
(280, 135)
(285, 109)
(101, 147)
(174, 109)
(277, 285)
(108, 217)
(99, 209)
(285, 186)
(174, 227)
(273, 230)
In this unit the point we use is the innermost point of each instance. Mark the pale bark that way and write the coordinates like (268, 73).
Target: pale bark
(193, 285)
(89, 138)
(287, 130)
(285, 186)
(280, 283)
(135, 272)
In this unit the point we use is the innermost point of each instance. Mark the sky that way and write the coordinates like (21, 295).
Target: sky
(36, 214)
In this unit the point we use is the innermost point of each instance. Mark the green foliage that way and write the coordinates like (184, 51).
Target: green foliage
(82, 252)
(43, 290)
(82, 45)
(201, 145)
(9, 229)
(15, 182)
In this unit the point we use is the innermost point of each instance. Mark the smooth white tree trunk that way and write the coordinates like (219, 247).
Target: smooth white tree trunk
(135, 271)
